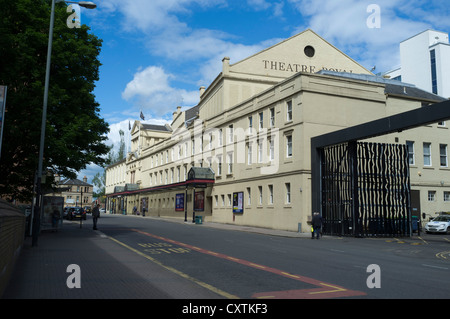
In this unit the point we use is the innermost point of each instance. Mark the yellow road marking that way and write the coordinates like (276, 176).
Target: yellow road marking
(256, 265)
(290, 275)
(175, 271)
(337, 289)
(442, 254)
(423, 240)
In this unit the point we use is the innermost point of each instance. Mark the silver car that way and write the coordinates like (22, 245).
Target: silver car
(440, 224)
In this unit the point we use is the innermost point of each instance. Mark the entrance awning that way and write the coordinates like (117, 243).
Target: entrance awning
(197, 177)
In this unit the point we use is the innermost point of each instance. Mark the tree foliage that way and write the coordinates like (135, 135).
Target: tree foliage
(99, 179)
(75, 133)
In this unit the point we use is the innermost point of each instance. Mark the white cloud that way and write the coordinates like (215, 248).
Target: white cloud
(344, 24)
(151, 91)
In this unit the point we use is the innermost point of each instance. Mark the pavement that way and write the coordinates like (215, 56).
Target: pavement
(42, 271)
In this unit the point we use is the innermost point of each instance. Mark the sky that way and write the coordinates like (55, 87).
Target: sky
(157, 53)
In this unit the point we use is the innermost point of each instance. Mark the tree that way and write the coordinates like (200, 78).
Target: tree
(75, 133)
(99, 179)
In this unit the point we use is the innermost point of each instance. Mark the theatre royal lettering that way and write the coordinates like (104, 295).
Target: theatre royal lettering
(295, 67)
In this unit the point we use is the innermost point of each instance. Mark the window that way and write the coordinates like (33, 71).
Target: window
(250, 124)
(219, 165)
(433, 72)
(249, 154)
(230, 133)
(230, 163)
(249, 196)
(178, 174)
(289, 111)
(261, 120)
(220, 137)
(210, 141)
(431, 196)
(446, 196)
(271, 150)
(229, 199)
(427, 154)
(260, 195)
(443, 155)
(223, 200)
(411, 158)
(193, 146)
(270, 194)
(260, 151)
(289, 146)
(272, 117)
(288, 193)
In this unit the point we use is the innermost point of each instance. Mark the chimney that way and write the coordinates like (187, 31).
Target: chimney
(175, 114)
(225, 65)
(202, 90)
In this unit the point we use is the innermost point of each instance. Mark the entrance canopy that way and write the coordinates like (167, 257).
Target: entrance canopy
(197, 177)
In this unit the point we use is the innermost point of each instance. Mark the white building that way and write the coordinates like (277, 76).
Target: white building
(425, 62)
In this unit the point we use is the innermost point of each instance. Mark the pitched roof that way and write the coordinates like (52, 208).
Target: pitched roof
(74, 182)
(155, 127)
(392, 87)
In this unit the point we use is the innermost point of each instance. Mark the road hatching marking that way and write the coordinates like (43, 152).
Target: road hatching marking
(176, 271)
(321, 292)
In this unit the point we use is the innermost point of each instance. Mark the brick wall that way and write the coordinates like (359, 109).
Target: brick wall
(12, 233)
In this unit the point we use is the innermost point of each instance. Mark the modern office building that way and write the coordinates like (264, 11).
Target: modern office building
(425, 62)
(242, 155)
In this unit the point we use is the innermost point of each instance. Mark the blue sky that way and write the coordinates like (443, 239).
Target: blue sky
(157, 53)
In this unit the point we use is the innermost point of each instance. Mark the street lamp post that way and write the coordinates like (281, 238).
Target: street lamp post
(38, 207)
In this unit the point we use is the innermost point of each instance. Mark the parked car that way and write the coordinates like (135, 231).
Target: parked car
(102, 210)
(87, 209)
(76, 213)
(440, 224)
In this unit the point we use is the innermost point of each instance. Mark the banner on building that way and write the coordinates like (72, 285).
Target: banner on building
(238, 202)
(199, 201)
(179, 202)
(2, 112)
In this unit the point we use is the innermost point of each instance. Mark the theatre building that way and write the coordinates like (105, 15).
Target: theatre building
(242, 155)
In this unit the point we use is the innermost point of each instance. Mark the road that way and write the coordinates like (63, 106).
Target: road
(237, 264)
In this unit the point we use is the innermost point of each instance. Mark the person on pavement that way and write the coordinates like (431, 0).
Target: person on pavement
(316, 223)
(95, 215)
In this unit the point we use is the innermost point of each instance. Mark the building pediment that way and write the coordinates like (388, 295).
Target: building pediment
(305, 52)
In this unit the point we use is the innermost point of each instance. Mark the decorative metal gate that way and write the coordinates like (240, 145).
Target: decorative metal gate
(366, 189)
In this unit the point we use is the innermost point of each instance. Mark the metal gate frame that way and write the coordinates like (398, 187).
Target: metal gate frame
(396, 123)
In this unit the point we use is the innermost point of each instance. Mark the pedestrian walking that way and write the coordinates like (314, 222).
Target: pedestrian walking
(55, 219)
(95, 215)
(316, 224)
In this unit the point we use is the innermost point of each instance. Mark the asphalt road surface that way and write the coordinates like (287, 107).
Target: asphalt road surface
(238, 264)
